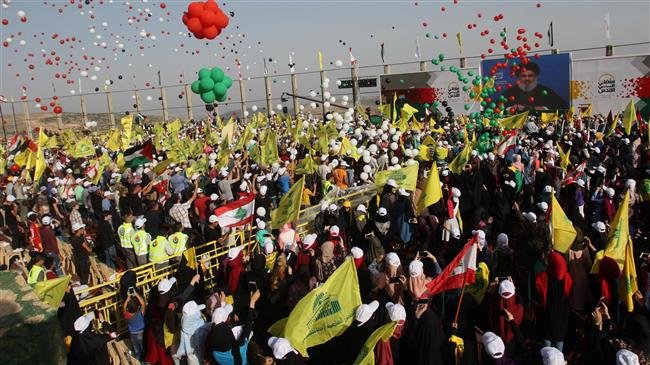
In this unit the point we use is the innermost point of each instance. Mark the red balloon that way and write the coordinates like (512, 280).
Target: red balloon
(195, 9)
(194, 25)
(222, 20)
(52, 104)
(211, 6)
(211, 32)
(208, 19)
(185, 18)
(58, 110)
(531, 99)
(5, 21)
(163, 5)
(38, 100)
(44, 108)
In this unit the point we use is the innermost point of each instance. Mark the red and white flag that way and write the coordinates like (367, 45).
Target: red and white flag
(573, 175)
(460, 271)
(236, 213)
(509, 143)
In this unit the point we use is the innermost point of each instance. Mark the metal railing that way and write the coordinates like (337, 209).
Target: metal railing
(106, 110)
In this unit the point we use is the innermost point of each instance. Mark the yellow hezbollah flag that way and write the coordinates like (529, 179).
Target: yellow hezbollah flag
(618, 237)
(550, 117)
(324, 313)
(52, 291)
(516, 121)
(564, 157)
(270, 149)
(289, 206)
(406, 177)
(458, 163)
(83, 148)
(627, 285)
(407, 112)
(423, 153)
(367, 354)
(190, 257)
(320, 60)
(40, 155)
(114, 141)
(629, 117)
(127, 125)
(586, 112)
(432, 191)
(481, 284)
(562, 228)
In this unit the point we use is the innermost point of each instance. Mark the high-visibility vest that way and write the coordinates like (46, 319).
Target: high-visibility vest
(178, 241)
(140, 242)
(125, 233)
(34, 273)
(157, 249)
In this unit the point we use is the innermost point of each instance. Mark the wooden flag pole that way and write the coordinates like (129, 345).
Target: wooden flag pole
(460, 301)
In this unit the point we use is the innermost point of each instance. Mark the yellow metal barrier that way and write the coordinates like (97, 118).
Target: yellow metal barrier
(104, 299)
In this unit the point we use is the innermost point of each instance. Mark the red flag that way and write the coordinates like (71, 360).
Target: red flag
(460, 271)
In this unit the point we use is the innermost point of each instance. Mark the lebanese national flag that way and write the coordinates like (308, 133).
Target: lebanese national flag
(236, 213)
(14, 144)
(509, 143)
(460, 271)
(573, 175)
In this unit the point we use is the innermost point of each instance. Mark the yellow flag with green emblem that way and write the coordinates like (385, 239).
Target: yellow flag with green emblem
(432, 192)
(458, 163)
(269, 150)
(367, 354)
(629, 117)
(548, 117)
(114, 141)
(423, 154)
(52, 291)
(127, 126)
(407, 111)
(516, 121)
(324, 313)
(564, 157)
(561, 228)
(406, 177)
(619, 236)
(83, 148)
(628, 285)
(289, 206)
(306, 166)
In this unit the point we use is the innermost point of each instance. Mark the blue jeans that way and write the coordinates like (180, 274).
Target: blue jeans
(109, 253)
(57, 263)
(558, 344)
(136, 342)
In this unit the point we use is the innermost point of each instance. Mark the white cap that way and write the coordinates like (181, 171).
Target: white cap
(214, 197)
(77, 226)
(543, 206)
(191, 308)
(402, 192)
(324, 157)
(334, 231)
(280, 347)
(511, 183)
(502, 239)
(365, 311)
(599, 226)
(263, 189)
(107, 193)
(356, 252)
(47, 220)
(506, 289)
(382, 212)
(221, 314)
(268, 245)
(610, 192)
(396, 312)
(392, 259)
(551, 356)
(81, 323)
(260, 211)
(601, 169)
(213, 219)
(234, 252)
(392, 183)
(531, 216)
(626, 357)
(493, 344)
(361, 208)
(10, 198)
(86, 184)
(165, 285)
(455, 192)
(309, 239)
(261, 225)
(332, 207)
(548, 189)
(581, 183)
(416, 268)
(139, 223)
(199, 191)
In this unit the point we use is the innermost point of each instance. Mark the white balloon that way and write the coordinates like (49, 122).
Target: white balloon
(344, 103)
(372, 148)
(93, 77)
(312, 93)
(367, 169)
(96, 68)
(149, 98)
(332, 99)
(312, 105)
(107, 82)
(327, 104)
(246, 113)
(364, 176)
(366, 159)
(338, 63)
(338, 82)
(20, 13)
(329, 117)
(327, 80)
(254, 108)
(38, 105)
(279, 107)
(326, 94)
(393, 146)
(72, 92)
(22, 42)
(302, 107)
(345, 98)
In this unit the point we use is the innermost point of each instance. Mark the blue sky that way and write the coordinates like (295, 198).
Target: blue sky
(272, 30)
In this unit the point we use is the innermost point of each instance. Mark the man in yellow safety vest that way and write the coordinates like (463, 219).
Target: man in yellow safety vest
(141, 241)
(37, 272)
(159, 248)
(125, 233)
(178, 240)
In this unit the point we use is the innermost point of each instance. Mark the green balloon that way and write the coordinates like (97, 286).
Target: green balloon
(544, 92)
(435, 104)
(206, 84)
(465, 88)
(470, 73)
(426, 105)
(435, 36)
(227, 81)
(453, 69)
(442, 68)
(428, 35)
(476, 82)
(204, 73)
(219, 90)
(217, 74)
(434, 61)
(465, 80)
(196, 87)
(472, 94)
(441, 57)
(208, 97)
(223, 98)
(483, 103)
(467, 106)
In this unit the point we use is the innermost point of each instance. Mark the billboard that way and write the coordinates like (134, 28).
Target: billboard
(542, 84)
(609, 83)
(425, 87)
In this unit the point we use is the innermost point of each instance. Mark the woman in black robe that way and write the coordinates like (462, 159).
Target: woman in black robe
(422, 344)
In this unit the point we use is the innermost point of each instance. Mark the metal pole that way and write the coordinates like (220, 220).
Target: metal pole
(164, 104)
(354, 73)
(84, 113)
(294, 90)
(463, 62)
(188, 102)
(322, 92)
(137, 101)
(267, 87)
(386, 69)
(242, 98)
(2, 117)
(13, 114)
(423, 66)
(111, 116)
(27, 119)
(609, 50)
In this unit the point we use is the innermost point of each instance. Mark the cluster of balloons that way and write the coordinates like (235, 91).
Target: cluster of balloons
(212, 85)
(205, 19)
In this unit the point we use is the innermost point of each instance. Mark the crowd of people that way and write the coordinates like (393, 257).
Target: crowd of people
(530, 304)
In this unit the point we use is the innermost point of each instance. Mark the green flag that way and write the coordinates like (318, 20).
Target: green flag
(289, 206)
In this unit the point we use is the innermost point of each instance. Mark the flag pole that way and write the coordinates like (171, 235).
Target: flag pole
(460, 301)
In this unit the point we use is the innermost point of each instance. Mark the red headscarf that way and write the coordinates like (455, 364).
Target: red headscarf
(556, 268)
